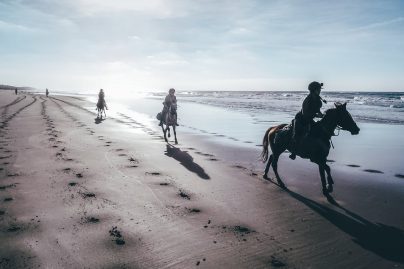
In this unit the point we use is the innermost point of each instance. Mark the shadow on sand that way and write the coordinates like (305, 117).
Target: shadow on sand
(383, 240)
(98, 120)
(186, 160)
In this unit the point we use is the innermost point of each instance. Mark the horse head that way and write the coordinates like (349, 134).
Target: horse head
(345, 120)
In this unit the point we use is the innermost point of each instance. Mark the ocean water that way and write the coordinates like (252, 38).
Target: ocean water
(240, 119)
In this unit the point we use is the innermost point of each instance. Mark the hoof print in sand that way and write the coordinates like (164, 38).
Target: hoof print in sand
(2, 212)
(373, 171)
(8, 199)
(79, 175)
(91, 220)
(153, 173)
(2, 188)
(118, 238)
(194, 210)
(71, 184)
(88, 195)
(164, 184)
(399, 175)
(353, 165)
(184, 195)
(13, 229)
(131, 159)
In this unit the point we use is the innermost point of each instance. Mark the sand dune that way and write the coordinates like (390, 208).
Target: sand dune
(76, 192)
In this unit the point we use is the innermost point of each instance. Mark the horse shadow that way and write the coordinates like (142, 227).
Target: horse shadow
(383, 240)
(186, 160)
(98, 120)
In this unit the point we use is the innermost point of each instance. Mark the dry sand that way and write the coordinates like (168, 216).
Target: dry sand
(79, 193)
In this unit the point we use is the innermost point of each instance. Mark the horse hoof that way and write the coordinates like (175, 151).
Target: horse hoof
(325, 192)
(264, 176)
(176, 142)
(330, 188)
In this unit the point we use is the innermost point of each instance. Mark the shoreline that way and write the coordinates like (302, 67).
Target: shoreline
(198, 204)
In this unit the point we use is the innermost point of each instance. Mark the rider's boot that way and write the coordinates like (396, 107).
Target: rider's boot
(293, 146)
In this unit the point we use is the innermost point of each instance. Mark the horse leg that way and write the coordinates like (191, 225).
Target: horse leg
(329, 178)
(175, 135)
(321, 168)
(267, 167)
(164, 132)
(105, 113)
(275, 168)
(168, 128)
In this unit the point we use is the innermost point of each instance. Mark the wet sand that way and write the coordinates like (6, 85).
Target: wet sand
(76, 192)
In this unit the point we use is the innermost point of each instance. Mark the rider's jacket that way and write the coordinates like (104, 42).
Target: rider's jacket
(311, 107)
(170, 100)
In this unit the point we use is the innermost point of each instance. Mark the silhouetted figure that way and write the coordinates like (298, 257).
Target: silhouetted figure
(304, 118)
(47, 92)
(170, 100)
(101, 104)
(101, 99)
(16, 91)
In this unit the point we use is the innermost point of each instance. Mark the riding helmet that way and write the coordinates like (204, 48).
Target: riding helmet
(314, 86)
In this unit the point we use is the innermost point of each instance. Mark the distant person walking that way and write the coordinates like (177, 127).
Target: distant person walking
(16, 91)
(170, 100)
(304, 118)
(47, 92)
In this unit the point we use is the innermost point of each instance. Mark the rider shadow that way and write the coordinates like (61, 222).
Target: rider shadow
(383, 240)
(186, 160)
(98, 120)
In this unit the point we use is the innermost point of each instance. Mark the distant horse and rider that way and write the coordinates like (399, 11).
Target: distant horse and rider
(168, 117)
(306, 138)
(101, 104)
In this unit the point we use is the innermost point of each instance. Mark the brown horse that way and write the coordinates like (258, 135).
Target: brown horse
(315, 146)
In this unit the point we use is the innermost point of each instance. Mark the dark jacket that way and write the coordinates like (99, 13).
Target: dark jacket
(311, 107)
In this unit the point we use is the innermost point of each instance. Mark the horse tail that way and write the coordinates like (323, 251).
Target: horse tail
(269, 140)
(264, 153)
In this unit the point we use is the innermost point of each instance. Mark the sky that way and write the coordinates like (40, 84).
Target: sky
(153, 45)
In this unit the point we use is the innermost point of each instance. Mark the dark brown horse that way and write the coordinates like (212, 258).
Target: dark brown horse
(101, 108)
(315, 146)
(170, 119)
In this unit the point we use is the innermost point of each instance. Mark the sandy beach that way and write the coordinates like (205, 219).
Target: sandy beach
(76, 192)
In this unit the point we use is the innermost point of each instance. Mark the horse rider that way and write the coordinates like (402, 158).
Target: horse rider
(170, 100)
(304, 118)
(101, 99)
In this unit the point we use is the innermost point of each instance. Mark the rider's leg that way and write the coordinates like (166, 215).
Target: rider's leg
(296, 138)
(163, 114)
